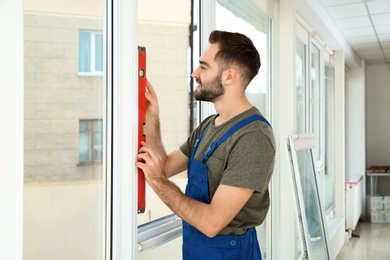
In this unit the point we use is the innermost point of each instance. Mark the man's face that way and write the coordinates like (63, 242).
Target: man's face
(208, 76)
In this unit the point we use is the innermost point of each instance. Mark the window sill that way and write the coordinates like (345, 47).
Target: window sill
(89, 163)
(90, 74)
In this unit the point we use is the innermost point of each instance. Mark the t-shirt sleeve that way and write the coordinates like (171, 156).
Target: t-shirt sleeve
(186, 147)
(251, 160)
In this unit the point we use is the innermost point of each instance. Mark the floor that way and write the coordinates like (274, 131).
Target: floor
(373, 243)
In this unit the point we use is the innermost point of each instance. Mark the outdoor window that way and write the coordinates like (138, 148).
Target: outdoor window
(315, 112)
(90, 53)
(91, 140)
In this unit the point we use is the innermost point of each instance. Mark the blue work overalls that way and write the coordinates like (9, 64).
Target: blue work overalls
(196, 245)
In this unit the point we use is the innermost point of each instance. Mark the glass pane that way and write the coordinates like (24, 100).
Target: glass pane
(235, 16)
(315, 98)
(247, 18)
(98, 126)
(64, 199)
(84, 51)
(84, 152)
(98, 52)
(317, 240)
(300, 87)
(165, 35)
(84, 126)
(330, 137)
(97, 146)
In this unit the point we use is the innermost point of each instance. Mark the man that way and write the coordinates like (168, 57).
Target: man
(229, 157)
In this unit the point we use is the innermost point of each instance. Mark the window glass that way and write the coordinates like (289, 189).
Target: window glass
(234, 16)
(247, 17)
(84, 144)
(99, 52)
(91, 140)
(85, 51)
(315, 101)
(330, 137)
(171, 40)
(90, 53)
(316, 233)
(165, 36)
(64, 197)
(300, 87)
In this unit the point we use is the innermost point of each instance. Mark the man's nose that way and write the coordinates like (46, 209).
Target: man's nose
(195, 74)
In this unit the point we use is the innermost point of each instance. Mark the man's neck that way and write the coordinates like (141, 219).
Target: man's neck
(227, 109)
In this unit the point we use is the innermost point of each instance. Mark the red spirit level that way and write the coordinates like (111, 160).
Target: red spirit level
(141, 122)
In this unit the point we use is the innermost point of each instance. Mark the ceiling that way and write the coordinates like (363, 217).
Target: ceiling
(365, 24)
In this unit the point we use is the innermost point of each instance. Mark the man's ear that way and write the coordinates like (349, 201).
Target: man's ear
(230, 76)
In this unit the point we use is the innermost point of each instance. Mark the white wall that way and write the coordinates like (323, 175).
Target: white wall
(355, 132)
(377, 109)
(283, 219)
(355, 120)
(377, 119)
(11, 130)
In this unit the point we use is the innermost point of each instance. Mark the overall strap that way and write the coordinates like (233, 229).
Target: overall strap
(231, 131)
(195, 147)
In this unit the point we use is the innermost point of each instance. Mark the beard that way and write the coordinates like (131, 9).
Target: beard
(210, 90)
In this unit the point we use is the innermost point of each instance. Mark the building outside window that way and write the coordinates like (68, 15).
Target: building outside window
(64, 120)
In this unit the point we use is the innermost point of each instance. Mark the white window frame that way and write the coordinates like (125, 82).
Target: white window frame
(123, 31)
(129, 239)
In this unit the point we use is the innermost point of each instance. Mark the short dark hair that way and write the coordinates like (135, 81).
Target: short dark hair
(236, 49)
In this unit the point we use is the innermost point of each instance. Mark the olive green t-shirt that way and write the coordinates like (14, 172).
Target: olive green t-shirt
(246, 159)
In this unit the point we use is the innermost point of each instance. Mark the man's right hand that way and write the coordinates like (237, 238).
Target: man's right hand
(152, 109)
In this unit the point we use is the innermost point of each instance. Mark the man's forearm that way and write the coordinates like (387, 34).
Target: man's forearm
(190, 210)
(153, 134)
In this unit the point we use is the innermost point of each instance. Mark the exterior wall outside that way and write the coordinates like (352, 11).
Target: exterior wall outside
(57, 98)
(167, 70)
(62, 197)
